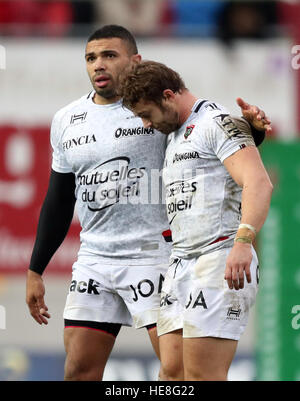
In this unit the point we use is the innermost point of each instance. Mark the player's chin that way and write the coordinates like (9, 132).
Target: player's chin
(165, 130)
(106, 93)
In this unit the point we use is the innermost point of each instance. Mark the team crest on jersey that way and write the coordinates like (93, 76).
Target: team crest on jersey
(188, 131)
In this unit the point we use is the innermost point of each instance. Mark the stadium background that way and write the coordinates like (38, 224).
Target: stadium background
(223, 50)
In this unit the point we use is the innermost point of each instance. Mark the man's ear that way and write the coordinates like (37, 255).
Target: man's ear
(168, 94)
(136, 58)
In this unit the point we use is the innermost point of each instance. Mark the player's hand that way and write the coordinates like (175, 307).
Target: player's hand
(35, 292)
(238, 265)
(256, 117)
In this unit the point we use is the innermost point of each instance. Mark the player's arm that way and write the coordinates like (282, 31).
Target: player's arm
(54, 222)
(246, 168)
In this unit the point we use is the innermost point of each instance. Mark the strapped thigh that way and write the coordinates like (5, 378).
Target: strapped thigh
(109, 328)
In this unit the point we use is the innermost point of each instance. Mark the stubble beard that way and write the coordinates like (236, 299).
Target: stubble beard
(173, 123)
(106, 93)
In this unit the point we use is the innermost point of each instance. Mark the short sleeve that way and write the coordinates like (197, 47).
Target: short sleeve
(59, 162)
(227, 135)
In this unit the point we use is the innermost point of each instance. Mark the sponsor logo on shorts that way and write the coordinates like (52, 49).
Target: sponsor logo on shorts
(90, 287)
(200, 301)
(234, 312)
(133, 132)
(145, 288)
(165, 300)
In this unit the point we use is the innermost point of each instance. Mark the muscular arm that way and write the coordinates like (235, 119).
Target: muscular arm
(246, 168)
(55, 219)
(54, 222)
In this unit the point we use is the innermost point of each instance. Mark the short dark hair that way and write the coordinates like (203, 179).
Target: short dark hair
(115, 31)
(147, 81)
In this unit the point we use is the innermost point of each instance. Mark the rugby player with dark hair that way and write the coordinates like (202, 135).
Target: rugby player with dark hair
(103, 158)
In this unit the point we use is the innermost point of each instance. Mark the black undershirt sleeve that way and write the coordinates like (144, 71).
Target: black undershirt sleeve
(258, 136)
(55, 219)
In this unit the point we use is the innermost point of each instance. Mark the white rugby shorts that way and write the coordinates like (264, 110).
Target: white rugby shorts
(196, 298)
(128, 295)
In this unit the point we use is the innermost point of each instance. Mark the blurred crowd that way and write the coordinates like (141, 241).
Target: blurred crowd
(227, 20)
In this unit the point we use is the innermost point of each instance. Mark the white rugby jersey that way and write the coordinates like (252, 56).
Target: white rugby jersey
(117, 165)
(203, 201)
